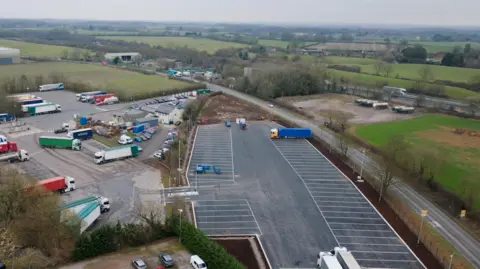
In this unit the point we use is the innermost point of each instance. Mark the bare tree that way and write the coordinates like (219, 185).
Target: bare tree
(420, 100)
(387, 70)
(378, 66)
(342, 122)
(151, 213)
(86, 55)
(426, 73)
(343, 145)
(65, 54)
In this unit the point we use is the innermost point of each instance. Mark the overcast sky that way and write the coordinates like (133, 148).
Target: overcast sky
(411, 12)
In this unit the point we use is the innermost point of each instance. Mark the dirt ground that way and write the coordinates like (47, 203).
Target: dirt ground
(148, 253)
(224, 107)
(242, 248)
(320, 106)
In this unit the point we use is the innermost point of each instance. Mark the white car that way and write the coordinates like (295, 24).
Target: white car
(165, 149)
(158, 155)
(270, 105)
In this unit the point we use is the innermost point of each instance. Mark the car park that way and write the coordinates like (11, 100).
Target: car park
(139, 264)
(166, 260)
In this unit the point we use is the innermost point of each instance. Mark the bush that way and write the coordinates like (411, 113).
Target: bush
(198, 243)
(354, 69)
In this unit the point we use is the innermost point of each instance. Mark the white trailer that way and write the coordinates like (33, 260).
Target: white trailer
(116, 153)
(88, 215)
(51, 87)
(327, 260)
(339, 257)
(19, 156)
(44, 109)
(25, 107)
(75, 207)
(380, 105)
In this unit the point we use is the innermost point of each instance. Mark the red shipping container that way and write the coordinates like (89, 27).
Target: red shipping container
(100, 98)
(8, 147)
(53, 184)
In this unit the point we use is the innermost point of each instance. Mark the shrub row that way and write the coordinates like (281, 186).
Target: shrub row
(198, 243)
(111, 238)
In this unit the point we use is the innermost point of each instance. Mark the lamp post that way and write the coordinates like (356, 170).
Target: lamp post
(451, 260)
(180, 236)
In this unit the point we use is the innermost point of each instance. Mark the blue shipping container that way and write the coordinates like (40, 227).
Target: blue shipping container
(6, 117)
(295, 132)
(82, 134)
(83, 121)
(138, 128)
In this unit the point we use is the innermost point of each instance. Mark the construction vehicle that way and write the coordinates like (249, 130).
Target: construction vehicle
(59, 184)
(227, 123)
(116, 153)
(19, 156)
(290, 133)
(59, 142)
(337, 258)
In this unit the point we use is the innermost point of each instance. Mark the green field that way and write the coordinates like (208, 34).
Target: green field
(36, 50)
(120, 81)
(456, 74)
(350, 60)
(371, 80)
(201, 44)
(462, 152)
(278, 43)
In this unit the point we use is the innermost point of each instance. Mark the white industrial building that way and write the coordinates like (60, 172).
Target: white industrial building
(124, 57)
(9, 56)
(166, 113)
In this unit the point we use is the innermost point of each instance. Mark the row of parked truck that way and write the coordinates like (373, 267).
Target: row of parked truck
(97, 97)
(382, 105)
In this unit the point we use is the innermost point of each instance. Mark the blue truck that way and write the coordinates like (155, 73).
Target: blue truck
(82, 134)
(5, 117)
(290, 133)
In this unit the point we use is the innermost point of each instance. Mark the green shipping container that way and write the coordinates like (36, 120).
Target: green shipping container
(59, 142)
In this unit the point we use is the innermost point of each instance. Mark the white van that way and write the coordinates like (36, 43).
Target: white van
(197, 262)
(124, 140)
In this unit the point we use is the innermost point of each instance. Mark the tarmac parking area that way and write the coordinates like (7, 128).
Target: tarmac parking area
(226, 217)
(351, 218)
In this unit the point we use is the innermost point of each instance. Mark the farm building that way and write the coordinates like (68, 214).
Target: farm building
(165, 113)
(9, 56)
(125, 56)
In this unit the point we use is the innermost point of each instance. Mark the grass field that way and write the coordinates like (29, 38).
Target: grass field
(117, 80)
(202, 44)
(350, 60)
(462, 152)
(36, 50)
(277, 43)
(371, 80)
(456, 74)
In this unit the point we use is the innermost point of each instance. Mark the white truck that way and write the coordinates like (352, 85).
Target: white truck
(403, 109)
(380, 106)
(116, 153)
(44, 109)
(19, 156)
(85, 210)
(337, 258)
(51, 87)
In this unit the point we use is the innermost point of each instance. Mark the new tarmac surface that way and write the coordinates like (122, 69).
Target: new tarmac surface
(290, 195)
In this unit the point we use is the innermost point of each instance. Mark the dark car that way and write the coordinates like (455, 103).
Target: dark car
(139, 264)
(166, 260)
(147, 135)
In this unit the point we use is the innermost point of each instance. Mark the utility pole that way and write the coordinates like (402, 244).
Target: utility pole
(423, 214)
(180, 236)
(451, 260)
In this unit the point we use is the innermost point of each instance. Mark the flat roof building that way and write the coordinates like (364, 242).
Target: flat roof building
(124, 56)
(9, 55)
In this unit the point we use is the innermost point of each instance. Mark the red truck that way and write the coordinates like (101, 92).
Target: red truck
(6, 147)
(100, 98)
(60, 184)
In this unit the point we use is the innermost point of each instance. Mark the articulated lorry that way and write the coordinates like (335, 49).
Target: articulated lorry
(25, 107)
(36, 100)
(337, 258)
(80, 95)
(290, 133)
(59, 184)
(19, 156)
(77, 205)
(82, 134)
(59, 142)
(116, 153)
(51, 87)
(7, 147)
(44, 109)
(86, 211)
(100, 97)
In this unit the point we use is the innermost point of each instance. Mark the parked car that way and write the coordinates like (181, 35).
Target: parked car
(197, 262)
(143, 138)
(166, 260)
(139, 264)
(147, 135)
(270, 105)
(138, 139)
(158, 154)
(140, 149)
(165, 149)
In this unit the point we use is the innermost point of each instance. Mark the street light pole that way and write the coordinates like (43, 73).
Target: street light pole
(451, 260)
(363, 159)
(180, 236)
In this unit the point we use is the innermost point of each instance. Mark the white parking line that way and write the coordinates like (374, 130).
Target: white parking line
(347, 212)
(368, 224)
(361, 230)
(231, 151)
(222, 210)
(225, 216)
(385, 260)
(238, 221)
(374, 244)
(229, 228)
(254, 217)
(341, 206)
(335, 217)
(379, 251)
(376, 237)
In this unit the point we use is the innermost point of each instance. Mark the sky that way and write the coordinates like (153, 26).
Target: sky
(379, 12)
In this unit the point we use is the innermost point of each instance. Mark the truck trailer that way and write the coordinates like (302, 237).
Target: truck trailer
(116, 153)
(82, 134)
(5, 117)
(25, 107)
(290, 133)
(19, 156)
(6, 147)
(337, 258)
(99, 98)
(59, 142)
(36, 100)
(20, 97)
(60, 184)
(77, 205)
(44, 109)
(51, 87)
(88, 215)
(79, 95)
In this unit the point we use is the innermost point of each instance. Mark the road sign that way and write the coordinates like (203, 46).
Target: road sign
(424, 213)
(463, 213)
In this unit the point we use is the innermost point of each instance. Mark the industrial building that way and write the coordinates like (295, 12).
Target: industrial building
(124, 57)
(166, 113)
(9, 56)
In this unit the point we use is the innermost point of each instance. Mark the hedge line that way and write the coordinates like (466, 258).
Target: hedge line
(214, 255)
